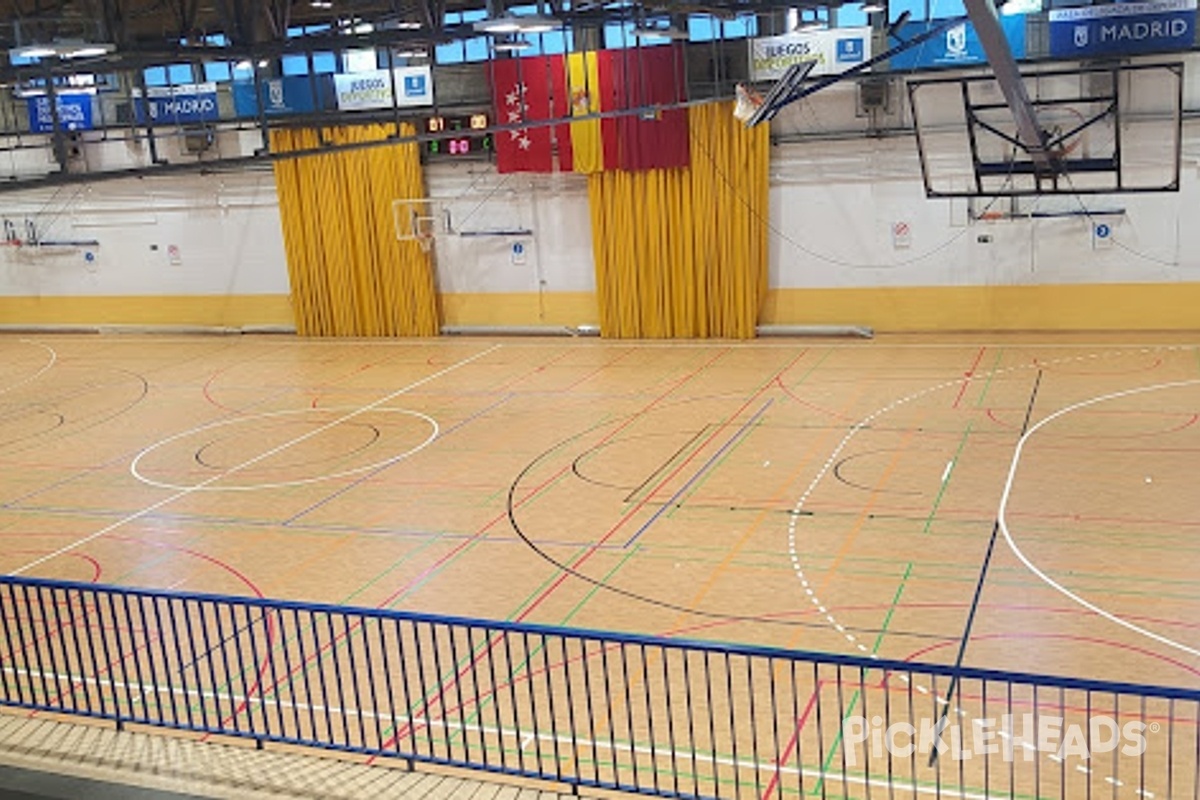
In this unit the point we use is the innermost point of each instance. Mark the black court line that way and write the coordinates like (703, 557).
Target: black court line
(983, 570)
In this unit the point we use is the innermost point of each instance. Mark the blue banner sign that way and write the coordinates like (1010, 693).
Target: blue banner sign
(74, 113)
(1119, 28)
(287, 95)
(165, 105)
(956, 46)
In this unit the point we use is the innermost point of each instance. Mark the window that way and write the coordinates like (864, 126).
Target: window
(217, 71)
(898, 7)
(324, 63)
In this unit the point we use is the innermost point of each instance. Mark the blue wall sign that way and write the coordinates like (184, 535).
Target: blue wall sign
(956, 46)
(167, 105)
(1158, 26)
(74, 113)
(286, 95)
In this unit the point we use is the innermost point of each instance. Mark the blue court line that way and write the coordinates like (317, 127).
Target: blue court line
(739, 434)
(441, 435)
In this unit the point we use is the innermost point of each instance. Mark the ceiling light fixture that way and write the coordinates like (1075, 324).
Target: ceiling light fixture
(873, 8)
(654, 32)
(408, 26)
(530, 23)
(509, 44)
(320, 3)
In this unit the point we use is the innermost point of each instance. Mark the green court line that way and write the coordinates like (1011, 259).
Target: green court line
(937, 501)
(991, 374)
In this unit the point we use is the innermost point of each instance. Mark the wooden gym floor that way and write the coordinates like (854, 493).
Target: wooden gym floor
(829, 495)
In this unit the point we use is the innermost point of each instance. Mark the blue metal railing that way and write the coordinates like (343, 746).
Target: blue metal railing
(588, 709)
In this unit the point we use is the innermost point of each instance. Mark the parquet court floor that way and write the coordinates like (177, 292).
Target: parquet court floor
(828, 495)
(818, 494)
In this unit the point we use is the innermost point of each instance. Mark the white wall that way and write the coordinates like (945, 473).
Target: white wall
(225, 227)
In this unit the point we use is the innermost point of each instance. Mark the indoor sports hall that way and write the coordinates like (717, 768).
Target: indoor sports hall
(726, 400)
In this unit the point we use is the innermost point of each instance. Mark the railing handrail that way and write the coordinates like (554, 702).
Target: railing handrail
(615, 637)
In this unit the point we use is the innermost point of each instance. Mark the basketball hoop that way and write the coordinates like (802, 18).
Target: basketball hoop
(748, 102)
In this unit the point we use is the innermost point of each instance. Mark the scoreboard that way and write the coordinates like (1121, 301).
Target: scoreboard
(458, 136)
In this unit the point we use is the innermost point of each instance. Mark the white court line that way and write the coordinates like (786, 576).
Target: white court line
(1012, 474)
(946, 471)
(251, 462)
(524, 738)
(45, 368)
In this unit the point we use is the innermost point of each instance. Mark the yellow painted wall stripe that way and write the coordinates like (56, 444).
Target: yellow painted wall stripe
(228, 311)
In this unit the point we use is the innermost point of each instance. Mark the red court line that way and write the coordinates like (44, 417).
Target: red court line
(970, 373)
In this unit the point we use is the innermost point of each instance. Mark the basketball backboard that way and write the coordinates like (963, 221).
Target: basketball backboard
(1112, 130)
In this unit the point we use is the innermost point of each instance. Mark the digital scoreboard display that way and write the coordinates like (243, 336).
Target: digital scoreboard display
(458, 136)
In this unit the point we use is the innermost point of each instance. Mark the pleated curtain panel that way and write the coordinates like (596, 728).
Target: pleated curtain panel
(349, 275)
(682, 252)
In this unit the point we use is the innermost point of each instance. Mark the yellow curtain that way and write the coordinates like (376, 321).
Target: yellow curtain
(683, 252)
(583, 78)
(349, 274)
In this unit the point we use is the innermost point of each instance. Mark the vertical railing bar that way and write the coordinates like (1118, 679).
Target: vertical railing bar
(510, 678)
(133, 654)
(156, 603)
(7, 599)
(689, 704)
(259, 666)
(355, 683)
(441, 690)
(733, 739)
(478, 701)
(987, 764)
(866, 715)
(302, 666)
(612, 722)
(334, 656)
(37, 652)
(494, 689)
(935, 714)
(1142, 755)
(821, 776)
(239, 667)
(777, 756)
(712, 720)
(550, 693)
(533, 706)
(406, 698)
(1037, 761)
(753, 727)
(841, 707)
(210, 656)
(272, 618)
(327, 712)
(117, 620)
(1196, 755)
(912, 717)
(1116, 750)
(195, 657)
(795, 727)
(462, 708)
(152, 669)
(629, 717)
(179, 659)
(422, 691)
(390, 691)
(1087, 734)
(670, 709)
(91, 647)
(63, 675)
(1171, 746)
(375, 711)
(251, 675)
(649, 717)
(887, 723)
(1062, 764)
(1012, 761)
(573, 759)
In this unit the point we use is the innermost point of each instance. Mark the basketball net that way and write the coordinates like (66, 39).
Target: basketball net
(748, 101)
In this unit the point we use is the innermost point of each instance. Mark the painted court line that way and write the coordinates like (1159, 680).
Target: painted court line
(251, 462)
(45, 367)
(1001, 514)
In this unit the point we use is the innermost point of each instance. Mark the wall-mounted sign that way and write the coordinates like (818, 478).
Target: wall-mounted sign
(1114, 28)
(74, 113)
(287, 95)
(163, 105)
(956, 46)
(360, 91)
(833, 51)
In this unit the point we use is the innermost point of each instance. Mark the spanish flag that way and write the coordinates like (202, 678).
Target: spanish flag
(583, 83)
